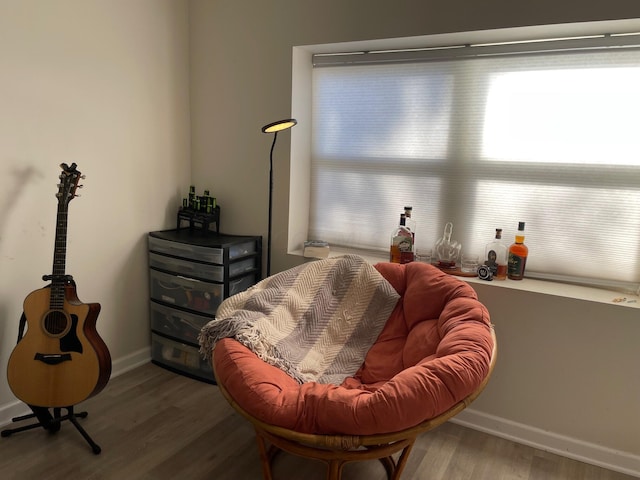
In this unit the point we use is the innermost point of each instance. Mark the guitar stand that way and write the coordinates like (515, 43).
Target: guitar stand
(45, 419)
(52, 423)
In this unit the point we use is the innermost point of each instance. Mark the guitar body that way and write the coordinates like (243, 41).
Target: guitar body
(61, 360)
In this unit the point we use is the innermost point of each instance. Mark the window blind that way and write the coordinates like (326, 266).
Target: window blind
(486, 141)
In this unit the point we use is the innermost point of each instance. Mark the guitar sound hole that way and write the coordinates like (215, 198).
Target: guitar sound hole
(56, 323)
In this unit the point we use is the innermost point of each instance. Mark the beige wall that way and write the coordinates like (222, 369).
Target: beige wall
(566, 367)
(103, 83)
(567, 373)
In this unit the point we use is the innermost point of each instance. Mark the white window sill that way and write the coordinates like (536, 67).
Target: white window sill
(528, 284)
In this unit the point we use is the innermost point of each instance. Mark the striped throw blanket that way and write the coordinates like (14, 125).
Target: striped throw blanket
(316, 321)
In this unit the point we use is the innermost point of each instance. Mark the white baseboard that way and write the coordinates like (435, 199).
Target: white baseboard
(131, 361)
(118, 367)
(12, 410)
(573, 448)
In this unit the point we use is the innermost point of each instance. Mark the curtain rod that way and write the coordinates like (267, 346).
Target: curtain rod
(446, 52)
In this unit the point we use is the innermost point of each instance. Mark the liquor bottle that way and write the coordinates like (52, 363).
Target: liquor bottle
(401, 245)
(192, 197)
(496, 256)
(518, 253)
(410, 223)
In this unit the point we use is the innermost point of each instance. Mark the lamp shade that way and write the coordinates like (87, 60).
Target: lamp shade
(279, 125)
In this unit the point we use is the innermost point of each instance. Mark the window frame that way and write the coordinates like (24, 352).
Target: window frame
(300, 141)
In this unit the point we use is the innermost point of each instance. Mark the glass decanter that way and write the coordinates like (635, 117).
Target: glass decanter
(447, 250)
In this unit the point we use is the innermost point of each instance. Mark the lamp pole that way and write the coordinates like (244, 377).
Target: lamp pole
(275, 137)
(274, 128)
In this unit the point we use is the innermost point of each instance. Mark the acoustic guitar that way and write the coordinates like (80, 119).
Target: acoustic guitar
(61, 360)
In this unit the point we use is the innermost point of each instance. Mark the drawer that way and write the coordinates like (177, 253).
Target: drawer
(187, 267)
(243, 266)
(179, 357)
(200, 270)
(202, 254)
(185, 292)
(185, 250)
(241, 284)
(176, 323)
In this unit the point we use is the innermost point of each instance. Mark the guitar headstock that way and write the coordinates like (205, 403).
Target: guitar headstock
(69, 178)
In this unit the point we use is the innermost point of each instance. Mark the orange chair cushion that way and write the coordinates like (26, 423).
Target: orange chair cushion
(434, 350)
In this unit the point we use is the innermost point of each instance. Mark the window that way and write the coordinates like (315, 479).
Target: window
(484, 141)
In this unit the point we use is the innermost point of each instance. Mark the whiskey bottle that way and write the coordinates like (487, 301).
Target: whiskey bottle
(410, 223)
(496, 256)
(401, 245)
(518, 253)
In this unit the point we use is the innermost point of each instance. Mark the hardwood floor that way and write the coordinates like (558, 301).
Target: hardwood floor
(155, 425)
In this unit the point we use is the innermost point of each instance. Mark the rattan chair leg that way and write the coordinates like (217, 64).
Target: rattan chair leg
(389, 466)
(402, 461)
(394, 468)
(265, 456)
(334, 469)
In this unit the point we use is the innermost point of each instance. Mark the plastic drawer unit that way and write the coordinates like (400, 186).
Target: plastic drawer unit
(190, 272)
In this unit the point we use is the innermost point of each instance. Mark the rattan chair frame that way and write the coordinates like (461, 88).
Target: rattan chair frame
(338, 450)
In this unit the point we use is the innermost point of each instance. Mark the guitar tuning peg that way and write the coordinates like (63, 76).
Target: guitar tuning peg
(83, 176)
(80, 186)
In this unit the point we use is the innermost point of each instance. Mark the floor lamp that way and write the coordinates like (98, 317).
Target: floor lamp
(274, 128)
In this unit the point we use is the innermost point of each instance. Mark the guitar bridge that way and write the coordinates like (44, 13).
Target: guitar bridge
(52, 358)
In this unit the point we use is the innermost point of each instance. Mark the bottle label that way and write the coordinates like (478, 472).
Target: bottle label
(516, 266)
(403, 248)
(492, 261)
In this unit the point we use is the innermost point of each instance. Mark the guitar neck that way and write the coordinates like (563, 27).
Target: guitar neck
(66, 191)
(59, 258)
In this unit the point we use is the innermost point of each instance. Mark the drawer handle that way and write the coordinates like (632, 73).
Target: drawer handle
(187, 278)
(172, 287)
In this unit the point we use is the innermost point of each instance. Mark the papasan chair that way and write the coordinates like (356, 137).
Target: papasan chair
(339, 361)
